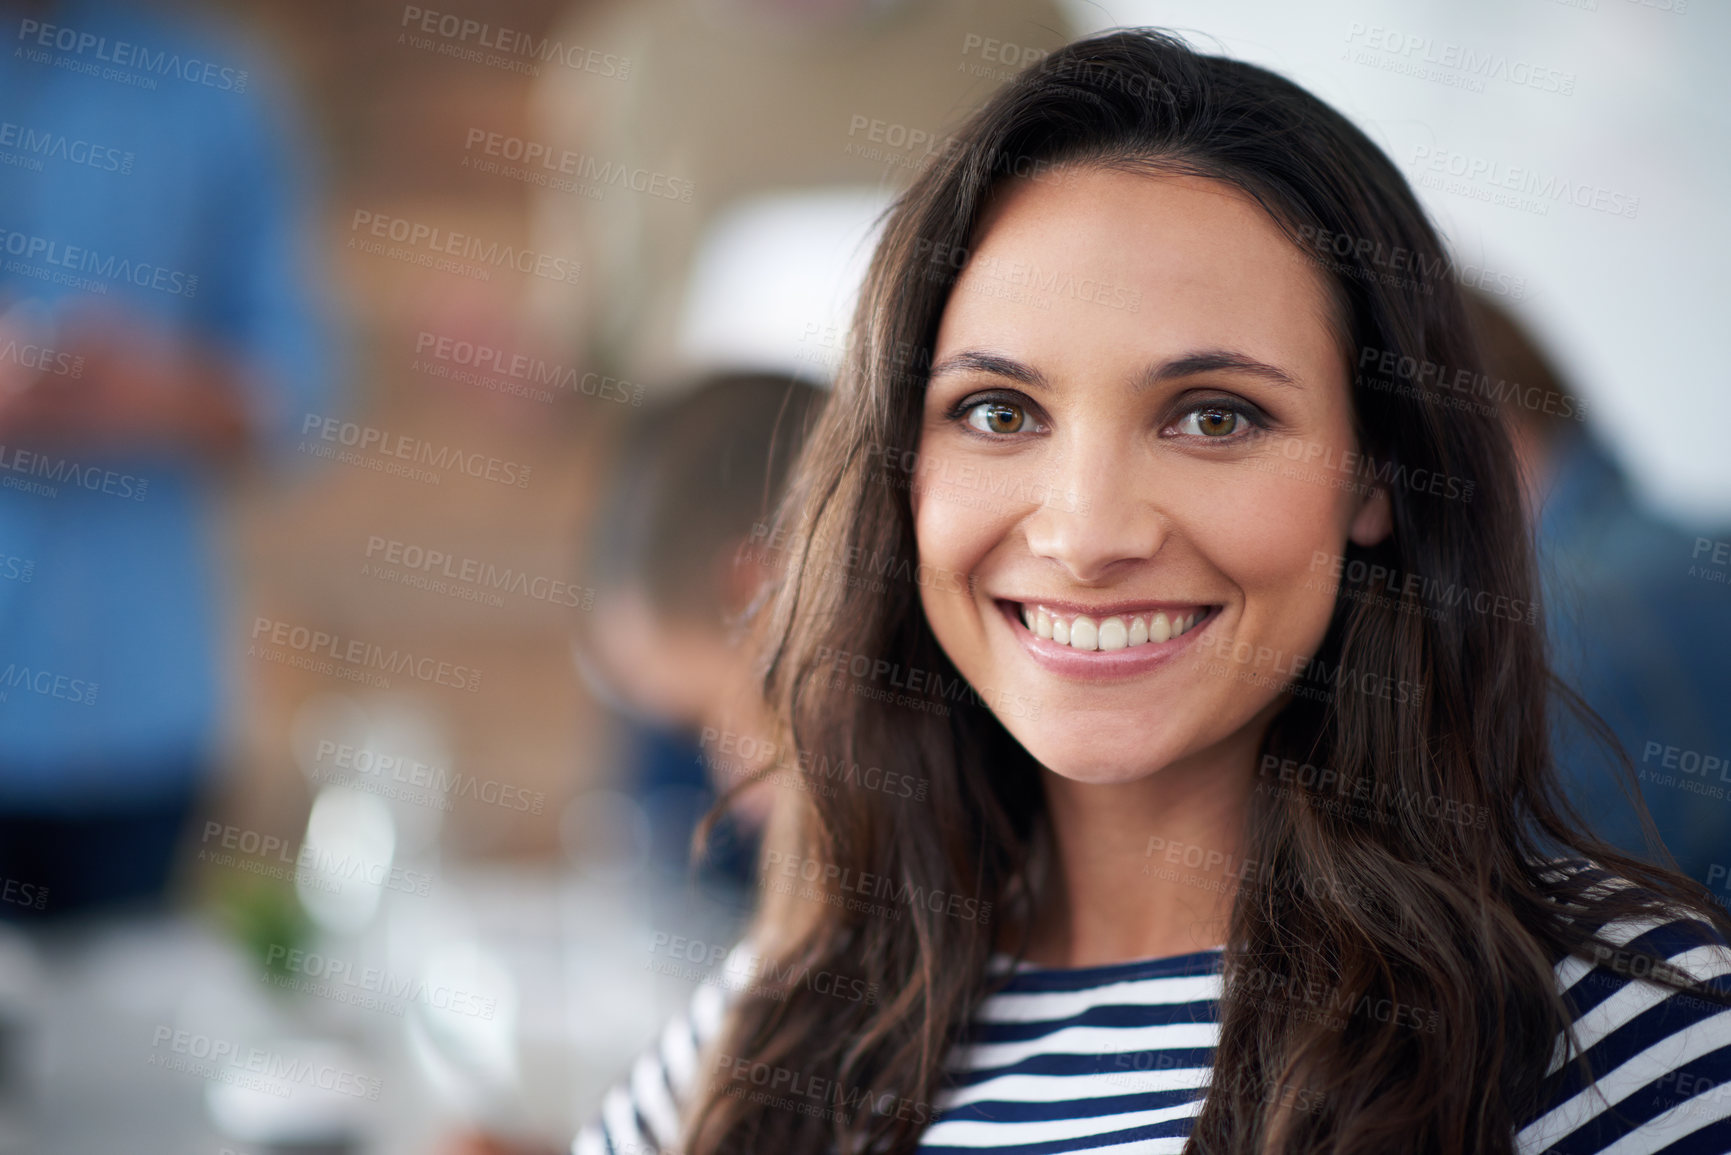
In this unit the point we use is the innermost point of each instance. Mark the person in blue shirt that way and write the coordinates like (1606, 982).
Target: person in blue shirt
(1644, 641)
(157, 327)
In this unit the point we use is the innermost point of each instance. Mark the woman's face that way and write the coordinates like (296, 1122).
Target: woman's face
(1138, 438)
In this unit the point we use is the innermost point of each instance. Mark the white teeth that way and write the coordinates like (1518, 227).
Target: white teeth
(1109, 634)
(1160, 629)
(1084, 634)
(1114, 635)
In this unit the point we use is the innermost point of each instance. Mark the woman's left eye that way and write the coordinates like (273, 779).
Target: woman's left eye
(999, 417)
(1216, 422)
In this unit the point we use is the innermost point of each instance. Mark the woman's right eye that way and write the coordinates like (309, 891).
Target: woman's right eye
(998, 417)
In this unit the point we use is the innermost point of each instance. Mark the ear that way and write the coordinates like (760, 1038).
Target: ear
(1374, 519)
(739, 575)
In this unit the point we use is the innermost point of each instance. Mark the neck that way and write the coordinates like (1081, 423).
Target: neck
(1148, 868)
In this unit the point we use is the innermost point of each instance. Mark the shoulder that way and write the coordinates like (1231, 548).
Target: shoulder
(1660, 1057)
(644, 1112)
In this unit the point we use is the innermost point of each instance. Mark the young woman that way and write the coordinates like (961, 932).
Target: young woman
(1214, 701)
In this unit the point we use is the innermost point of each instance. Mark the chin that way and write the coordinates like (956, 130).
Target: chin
(1088, 751)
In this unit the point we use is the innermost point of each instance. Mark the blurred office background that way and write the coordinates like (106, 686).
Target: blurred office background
(685, 190)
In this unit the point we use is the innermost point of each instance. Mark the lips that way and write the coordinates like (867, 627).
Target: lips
(1109, 629)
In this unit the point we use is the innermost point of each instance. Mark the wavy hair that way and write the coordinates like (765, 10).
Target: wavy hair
(1465, 919)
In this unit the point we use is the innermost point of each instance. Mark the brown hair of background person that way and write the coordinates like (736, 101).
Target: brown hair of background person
(1543, 415)
(679, 552)
(696, 473)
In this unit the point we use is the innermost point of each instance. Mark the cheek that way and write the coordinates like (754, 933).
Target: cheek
(951, 535)
(1264, 531)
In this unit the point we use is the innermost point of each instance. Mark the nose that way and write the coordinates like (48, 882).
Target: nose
(1093, 517)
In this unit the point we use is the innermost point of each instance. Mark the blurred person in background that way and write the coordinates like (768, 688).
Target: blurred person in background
(680, 552)
(157, 328)
(1641, 640)
(690, 107)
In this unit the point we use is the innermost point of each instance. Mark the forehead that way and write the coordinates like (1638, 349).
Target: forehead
(1138, 264)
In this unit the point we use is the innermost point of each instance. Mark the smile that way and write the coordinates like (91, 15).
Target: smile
(1127, 628)
(1106, 643)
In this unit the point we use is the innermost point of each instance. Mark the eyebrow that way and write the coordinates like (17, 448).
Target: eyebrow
(1189, 365)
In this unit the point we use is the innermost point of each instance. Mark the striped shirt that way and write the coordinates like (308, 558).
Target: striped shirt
(1117, 1059)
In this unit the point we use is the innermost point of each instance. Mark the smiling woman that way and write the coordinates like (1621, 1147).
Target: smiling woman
(1214, 857)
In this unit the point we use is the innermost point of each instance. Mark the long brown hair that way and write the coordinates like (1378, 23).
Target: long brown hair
(1461, 918)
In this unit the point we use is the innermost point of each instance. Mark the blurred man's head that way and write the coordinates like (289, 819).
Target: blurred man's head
(697, 474)
(1543, 415)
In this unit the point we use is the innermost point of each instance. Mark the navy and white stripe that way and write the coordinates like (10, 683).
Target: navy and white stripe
(1108, 1059)
(1117, 1059)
